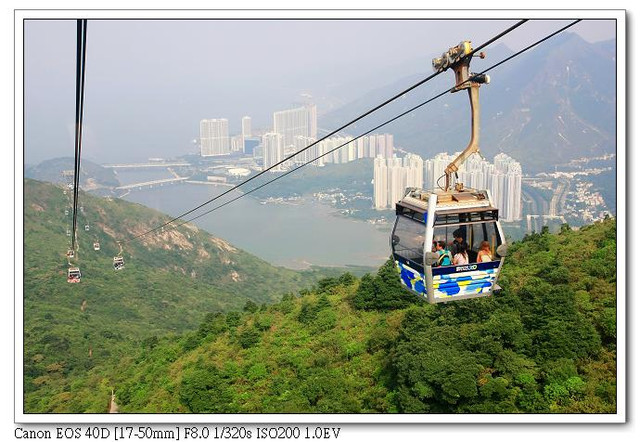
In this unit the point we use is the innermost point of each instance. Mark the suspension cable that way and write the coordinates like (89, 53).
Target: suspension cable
(369, 112)
(81, 56)
(373, 129)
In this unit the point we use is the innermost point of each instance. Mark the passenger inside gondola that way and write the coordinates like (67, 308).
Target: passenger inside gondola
(484, 254)
(459, 241)
(444, 255)
(461, 257)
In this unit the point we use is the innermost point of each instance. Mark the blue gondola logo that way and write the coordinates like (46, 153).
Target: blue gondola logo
(466, 268)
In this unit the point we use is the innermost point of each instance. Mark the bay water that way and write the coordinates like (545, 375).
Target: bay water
(293, 234)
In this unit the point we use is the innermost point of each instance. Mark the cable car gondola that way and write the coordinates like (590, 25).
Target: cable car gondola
(424, 218)
(73, 275)
(96, 246)
(118, 263)
(86, 227)
(433, 225)
(70, 253)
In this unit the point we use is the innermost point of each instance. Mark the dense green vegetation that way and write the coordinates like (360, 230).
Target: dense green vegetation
(545, 344)
(170, 281)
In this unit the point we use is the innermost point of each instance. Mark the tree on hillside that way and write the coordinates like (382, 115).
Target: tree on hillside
(383, 291)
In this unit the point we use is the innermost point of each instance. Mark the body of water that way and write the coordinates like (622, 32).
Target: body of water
(132, 176)
(293, 235)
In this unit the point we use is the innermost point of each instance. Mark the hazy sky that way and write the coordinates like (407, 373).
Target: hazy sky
(148, 83)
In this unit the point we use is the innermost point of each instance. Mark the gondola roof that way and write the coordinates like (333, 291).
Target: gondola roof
(448, 203)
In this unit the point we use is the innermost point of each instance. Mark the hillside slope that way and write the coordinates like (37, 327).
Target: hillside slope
(170, 281)
(92, 176)
(546, 344)
(544, 108)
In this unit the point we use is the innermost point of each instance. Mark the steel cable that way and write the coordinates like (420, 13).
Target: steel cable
(369, 112)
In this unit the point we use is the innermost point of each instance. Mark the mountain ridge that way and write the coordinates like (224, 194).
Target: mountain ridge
(552, 104)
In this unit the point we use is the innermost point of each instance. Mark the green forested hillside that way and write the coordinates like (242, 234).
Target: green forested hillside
(545, 344)
(171, 280)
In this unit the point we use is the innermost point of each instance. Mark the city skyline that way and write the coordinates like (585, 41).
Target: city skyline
(119, 86)
(240, 125)
(502, 178)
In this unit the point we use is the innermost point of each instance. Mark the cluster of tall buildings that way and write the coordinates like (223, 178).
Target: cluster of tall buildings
(297, 129)
(293, 130)
(298, 122)
(503, 178)
(287, 126)
(391, 176)
(341, 150)
(215, 139)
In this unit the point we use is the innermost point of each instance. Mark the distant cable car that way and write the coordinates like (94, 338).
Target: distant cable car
(447, 243)
(74, 275)
(70, 253)
(66, 212)
(68, 232)
(96, 246)
(86, 227)
(118, 262)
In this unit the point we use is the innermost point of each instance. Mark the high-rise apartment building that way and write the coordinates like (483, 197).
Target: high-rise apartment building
(381, 146)
(388, 145)
(360, 150)
(214, 137)
(237, 143)
(336, 149)
(346, 153)
(273, 151)
(503, 179)
(297, 122)
(397, 180)
(413, 165)
(246, 127)
(369, 149)
(391, 177)
(312, 113)
(380, 185)
(305, 156)
(510, 173)
(434, 169)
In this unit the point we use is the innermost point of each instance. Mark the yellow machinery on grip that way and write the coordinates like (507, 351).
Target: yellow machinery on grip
(452, 56)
